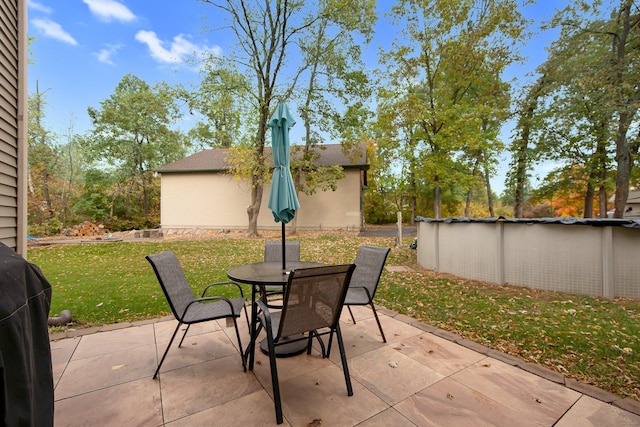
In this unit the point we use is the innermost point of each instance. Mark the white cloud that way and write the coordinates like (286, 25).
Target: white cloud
(39, 7)
(104, 55)
(109, 10)
(180, 48)
(53, 30)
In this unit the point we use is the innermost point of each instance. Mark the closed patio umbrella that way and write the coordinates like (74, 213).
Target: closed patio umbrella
(283, 200)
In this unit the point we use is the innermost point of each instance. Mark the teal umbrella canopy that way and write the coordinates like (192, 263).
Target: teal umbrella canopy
(283, 200)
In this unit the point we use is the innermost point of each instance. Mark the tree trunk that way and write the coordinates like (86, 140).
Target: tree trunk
(467, 205)
(257, 180)
(437, 202)
(253, 210)
(623, 158)
(623, 154)
(602, 199)
(47, 196)
(588, 200)
(413, 209)
(487, 182)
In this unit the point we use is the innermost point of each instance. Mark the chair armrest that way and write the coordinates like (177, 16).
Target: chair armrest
(265, 311)
(223, 283)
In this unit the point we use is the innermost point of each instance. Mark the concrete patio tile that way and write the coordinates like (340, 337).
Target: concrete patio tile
(195, 388)
(288, 367)
(92, 373)
(394, 330)
(417, 379)
(364, 336)
(449, 403)
(231, 332)
(388, 417)
(196, 349)
(535, 398)
(391, 375)
(61, 352)
(114, 341)
(360, 312)
(252, 410)
(356, 341)
(135, 403)
(439, 354)
(592, 412)
(321, 396)
(164, 330)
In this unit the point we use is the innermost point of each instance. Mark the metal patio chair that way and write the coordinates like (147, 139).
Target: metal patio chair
(313, 301)
(273, 253)
(188, 309)
(364, 282)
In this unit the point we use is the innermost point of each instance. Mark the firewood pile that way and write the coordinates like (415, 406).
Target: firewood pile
(86, 229)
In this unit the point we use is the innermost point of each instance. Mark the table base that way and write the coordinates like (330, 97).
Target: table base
(286, 350)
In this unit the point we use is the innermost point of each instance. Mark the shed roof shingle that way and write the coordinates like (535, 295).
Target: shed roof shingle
(215, 159)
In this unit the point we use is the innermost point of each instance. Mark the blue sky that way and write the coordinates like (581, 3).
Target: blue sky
(83, 48)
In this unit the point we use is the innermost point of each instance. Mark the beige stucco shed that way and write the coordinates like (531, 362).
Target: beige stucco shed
(199, 192)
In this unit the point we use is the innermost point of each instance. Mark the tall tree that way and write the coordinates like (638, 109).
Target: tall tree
(220, 102)
(44, 159)
(335, 88)
(277, 45)
(608, 83)
(447, 72)
(265, 32)
(132, 132)
(581, 108)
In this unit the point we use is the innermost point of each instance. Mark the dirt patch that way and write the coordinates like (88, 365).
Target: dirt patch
(176, 234)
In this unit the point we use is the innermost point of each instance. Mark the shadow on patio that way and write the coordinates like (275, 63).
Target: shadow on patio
(423, 376)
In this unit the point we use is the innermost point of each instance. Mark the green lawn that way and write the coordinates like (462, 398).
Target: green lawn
(593, 340)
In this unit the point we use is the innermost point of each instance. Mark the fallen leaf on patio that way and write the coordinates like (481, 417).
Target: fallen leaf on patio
(538, 400)
(393, 364)
(316, 422)
(487, 365)
(116, 367)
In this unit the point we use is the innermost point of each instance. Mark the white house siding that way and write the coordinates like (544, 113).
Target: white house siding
(219, 201)
(13, 151)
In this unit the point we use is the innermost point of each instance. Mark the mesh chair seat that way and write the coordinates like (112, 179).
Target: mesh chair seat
(357, 296)
(199, 312)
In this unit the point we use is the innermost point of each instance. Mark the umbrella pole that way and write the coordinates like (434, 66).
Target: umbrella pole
(284, 264)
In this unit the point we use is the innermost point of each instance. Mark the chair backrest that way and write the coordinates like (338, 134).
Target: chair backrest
(314, 298)
(369, 264)
(273, 250)
(172, 280)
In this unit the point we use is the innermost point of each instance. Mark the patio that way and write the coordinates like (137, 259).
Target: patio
(423, 376)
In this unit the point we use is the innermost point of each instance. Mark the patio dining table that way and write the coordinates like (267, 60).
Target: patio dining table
(259, 275)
